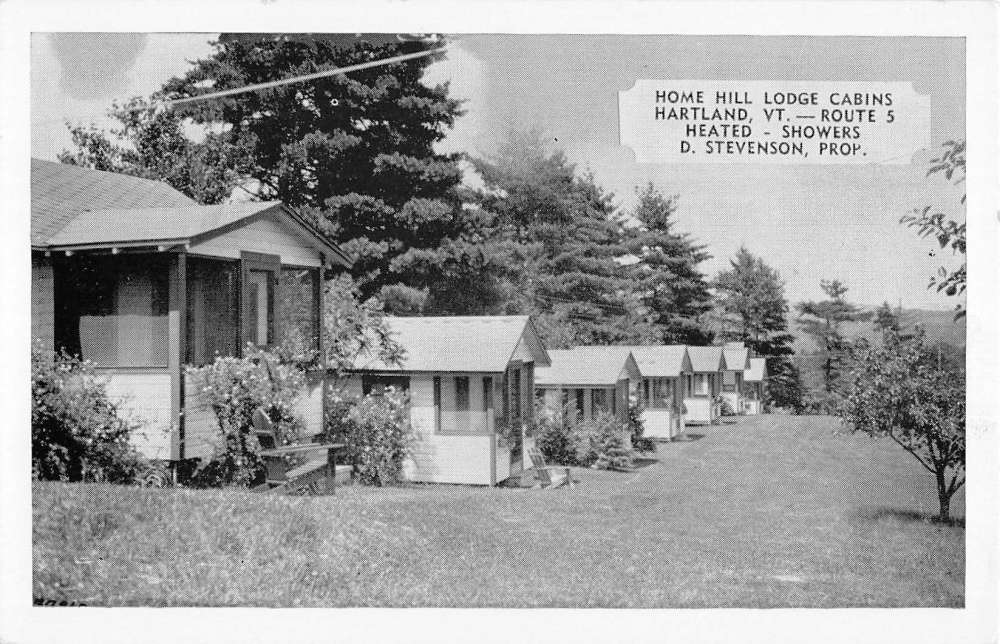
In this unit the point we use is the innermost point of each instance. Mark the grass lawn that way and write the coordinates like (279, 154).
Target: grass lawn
(771, 511)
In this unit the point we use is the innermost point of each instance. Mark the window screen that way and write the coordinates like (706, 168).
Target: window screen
(212, 310)
(113, 309)
(376, 385)
(298, 309)
(461, 393)
(701, 384)
(601, 401)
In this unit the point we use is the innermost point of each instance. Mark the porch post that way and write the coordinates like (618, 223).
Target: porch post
(321, 340)
(176, 340)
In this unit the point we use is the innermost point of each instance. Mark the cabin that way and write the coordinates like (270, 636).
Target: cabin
(703, 385)
(584, 382)
(754, 383)
(737, 358)
(470, 382)
(137, 278)
(661, 393)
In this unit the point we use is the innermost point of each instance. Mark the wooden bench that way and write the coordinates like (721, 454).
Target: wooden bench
(315, 476)
(549, 476)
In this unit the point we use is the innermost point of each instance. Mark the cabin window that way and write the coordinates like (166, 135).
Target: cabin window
(601, 401)
(515, 393)
(260, 299)
(298, 309)
(645, 392)
(112, 310)
(461, 393)
(437, 403)
(376, 385)
(659, 393)
(579, 398)
(487, 393)
(701, 386)
(212, 310)
(728, 381)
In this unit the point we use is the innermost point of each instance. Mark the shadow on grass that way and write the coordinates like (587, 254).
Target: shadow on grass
(643, 461)
(907, 516)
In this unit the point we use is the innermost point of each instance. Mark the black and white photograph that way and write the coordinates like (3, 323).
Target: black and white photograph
(432, 318)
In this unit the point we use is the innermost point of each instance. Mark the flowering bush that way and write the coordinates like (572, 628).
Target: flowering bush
(603, 443)
(233, 388)
(76, 431)
(377, 434)
(555, 438)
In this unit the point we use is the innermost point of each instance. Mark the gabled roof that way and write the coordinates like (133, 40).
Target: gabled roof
(737, 356)
(484, 344)
(757, 370)
(661, 361)
(587, 366)
(705, 359)
(59, 192)
(78, 208)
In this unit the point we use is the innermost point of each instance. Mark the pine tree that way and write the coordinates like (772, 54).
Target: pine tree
(558, 234)
(666, 276)
(822, 321)
(752, 308)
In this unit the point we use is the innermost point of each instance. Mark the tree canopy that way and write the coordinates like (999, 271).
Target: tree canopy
(557, 234)
(751, 308)
(666, 275)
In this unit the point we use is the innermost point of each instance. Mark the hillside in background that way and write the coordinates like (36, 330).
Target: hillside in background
(940, 326)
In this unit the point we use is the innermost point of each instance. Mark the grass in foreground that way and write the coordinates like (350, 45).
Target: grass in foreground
(771, 511)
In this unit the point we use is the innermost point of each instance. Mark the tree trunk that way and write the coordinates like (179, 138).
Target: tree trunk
(944, 497)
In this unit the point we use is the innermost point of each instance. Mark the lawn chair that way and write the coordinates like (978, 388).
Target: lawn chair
(312, 477)
(549, 476)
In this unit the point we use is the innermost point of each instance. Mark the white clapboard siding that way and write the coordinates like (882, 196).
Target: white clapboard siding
(144, 398)
(42, 301)
(700, 411)
(266, 235)
(659, 423)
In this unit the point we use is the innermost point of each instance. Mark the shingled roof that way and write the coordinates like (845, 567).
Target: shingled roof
(484, 344)
(662, 361)
(582, 366)
(59, 192)
(757, 370)
(737, 356)
(706, 359)
(79, 208)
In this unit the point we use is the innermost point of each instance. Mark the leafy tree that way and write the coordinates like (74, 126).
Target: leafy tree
(751, 308)
(667, 277)
(353, 152)
(557, 234)
(823, 321)
(899, 388)
(949, 233)
(152, 144)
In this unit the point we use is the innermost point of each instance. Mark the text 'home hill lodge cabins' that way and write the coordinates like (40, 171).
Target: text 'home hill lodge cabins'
(140, 280)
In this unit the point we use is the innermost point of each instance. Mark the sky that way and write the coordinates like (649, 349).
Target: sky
(809, 222)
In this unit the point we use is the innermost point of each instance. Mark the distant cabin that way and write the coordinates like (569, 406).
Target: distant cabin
(471, 383)
(137, 278)
(754, 386)
(665, 370)
(737, 358)
(583, 382)
(704, 384)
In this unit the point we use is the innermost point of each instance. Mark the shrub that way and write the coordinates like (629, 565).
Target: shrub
(76, 430)
(376, 432)
(234, 388)
(637, 428)
(602, 442)
(555, 438)
(725, 407)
